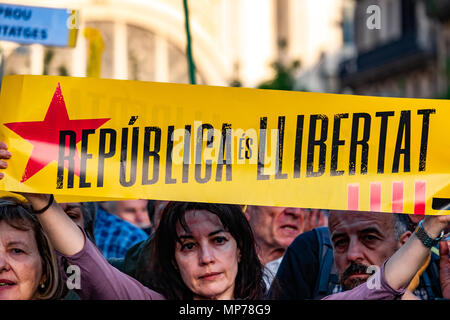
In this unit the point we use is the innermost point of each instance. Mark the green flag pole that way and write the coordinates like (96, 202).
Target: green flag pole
(191, 65)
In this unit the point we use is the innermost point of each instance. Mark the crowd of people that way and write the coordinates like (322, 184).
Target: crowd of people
(147, 249)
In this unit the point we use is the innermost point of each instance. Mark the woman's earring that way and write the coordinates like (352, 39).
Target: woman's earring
(42, 285)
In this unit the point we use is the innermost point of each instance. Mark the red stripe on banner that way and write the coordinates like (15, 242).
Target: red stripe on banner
(419, 197)
(397, 197)
(375, 197)
(352, 197)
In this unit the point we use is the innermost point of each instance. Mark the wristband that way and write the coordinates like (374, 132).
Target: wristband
(424, 237)
(50, 202)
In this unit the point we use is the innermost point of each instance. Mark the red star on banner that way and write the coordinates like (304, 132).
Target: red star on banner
(44, 135)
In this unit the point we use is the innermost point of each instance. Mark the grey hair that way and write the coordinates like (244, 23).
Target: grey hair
(402, 224)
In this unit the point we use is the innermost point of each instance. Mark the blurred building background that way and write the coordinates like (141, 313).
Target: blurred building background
(407, 57)
(234, 41)
(313, 45)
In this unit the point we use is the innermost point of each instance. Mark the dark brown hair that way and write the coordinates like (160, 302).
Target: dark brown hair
(17, 215)
(161, 274)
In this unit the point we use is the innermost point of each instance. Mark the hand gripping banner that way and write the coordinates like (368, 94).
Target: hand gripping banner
(89, 138)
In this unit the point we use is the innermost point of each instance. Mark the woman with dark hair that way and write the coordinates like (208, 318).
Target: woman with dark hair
(28, 265)
(204, 250)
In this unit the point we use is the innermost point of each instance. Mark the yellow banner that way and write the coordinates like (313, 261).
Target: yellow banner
(83, 137)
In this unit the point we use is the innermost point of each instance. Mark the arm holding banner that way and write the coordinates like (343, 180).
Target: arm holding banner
(63, 233)
(99, 279)
(404, 264)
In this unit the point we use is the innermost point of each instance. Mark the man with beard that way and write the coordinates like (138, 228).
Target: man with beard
(364, 239)
(357, 240)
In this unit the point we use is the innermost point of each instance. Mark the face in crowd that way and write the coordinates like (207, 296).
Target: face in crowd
(274, 229)
(362, 239)
(20, 264)
(28, 266)
(206, 251)
(133, 211)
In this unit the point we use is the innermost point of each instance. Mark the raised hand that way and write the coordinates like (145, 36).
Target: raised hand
(434, 224)
(406, 261)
